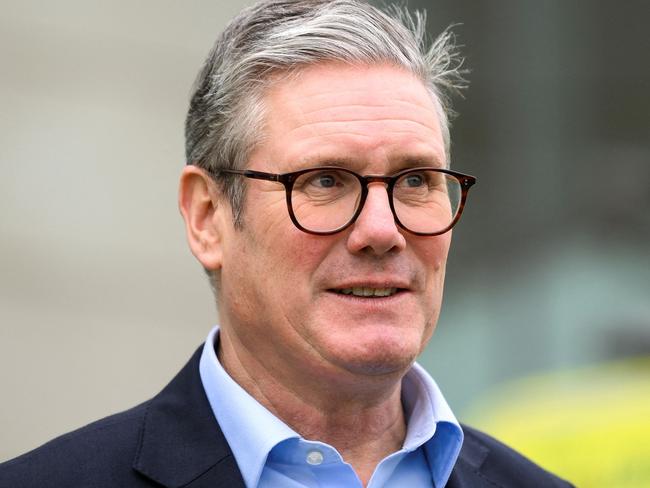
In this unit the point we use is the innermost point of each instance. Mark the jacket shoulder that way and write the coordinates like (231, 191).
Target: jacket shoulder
(496, 464)
(100, 455)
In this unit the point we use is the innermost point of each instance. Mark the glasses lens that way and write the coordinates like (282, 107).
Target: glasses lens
(426, 201)
(323, 200)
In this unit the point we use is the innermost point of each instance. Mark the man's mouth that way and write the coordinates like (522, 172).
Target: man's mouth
(367, 292)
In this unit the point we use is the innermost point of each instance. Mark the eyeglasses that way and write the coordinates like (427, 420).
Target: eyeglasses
(327, 200)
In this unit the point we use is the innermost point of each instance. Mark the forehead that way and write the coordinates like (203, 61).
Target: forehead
(332, 111)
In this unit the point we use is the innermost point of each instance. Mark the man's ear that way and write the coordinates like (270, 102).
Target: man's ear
(202, 207)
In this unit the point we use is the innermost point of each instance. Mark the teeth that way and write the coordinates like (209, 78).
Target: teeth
(359, 291)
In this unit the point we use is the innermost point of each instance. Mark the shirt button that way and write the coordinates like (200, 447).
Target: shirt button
(314, 458)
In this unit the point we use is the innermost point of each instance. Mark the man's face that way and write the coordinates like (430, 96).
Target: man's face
(280, 288)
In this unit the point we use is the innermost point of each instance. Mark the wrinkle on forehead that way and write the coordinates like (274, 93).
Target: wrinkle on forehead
(373, 100)
(378, 109)
(368, 90)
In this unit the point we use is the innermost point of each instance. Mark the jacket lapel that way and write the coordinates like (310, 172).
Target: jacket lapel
(466, 472)
(181, 444)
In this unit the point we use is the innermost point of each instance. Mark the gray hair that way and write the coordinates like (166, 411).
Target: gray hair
(226, 114)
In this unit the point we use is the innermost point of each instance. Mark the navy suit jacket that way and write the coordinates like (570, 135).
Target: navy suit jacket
(174, 441)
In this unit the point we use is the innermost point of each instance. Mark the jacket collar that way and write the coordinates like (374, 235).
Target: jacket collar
(467, 472)
(181, 444)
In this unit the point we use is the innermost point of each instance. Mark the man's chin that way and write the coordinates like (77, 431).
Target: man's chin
(377, 361)
(370, 347)
(382, 368)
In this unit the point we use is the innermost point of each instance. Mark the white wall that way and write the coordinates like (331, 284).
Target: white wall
(100, 300)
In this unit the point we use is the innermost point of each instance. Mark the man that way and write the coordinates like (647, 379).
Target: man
(318, 199)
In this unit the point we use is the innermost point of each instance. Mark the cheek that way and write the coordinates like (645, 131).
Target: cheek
(279, 246)
(303, 251)
(284, 258)
(434, 253)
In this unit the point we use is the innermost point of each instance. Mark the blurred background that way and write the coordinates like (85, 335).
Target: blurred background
(544, 339)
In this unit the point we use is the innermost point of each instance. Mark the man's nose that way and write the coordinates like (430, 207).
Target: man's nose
(375, 230)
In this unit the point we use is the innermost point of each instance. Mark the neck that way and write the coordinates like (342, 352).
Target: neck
(363, 420)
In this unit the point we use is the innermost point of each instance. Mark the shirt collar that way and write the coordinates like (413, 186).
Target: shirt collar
(252, 431)
(423, 407)
(431, 423)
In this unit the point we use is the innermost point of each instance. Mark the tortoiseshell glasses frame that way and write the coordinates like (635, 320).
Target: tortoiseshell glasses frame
(460, 182)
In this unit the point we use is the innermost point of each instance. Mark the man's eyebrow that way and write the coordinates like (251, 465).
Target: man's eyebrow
(343, 162)
(339, 162)
(395, 164)
(420, 161)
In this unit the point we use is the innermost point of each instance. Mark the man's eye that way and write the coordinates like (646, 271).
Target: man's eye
(414, 180)
(325, 181)
(322, 182)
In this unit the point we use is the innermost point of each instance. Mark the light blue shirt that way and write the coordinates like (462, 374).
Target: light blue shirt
(269, 453)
